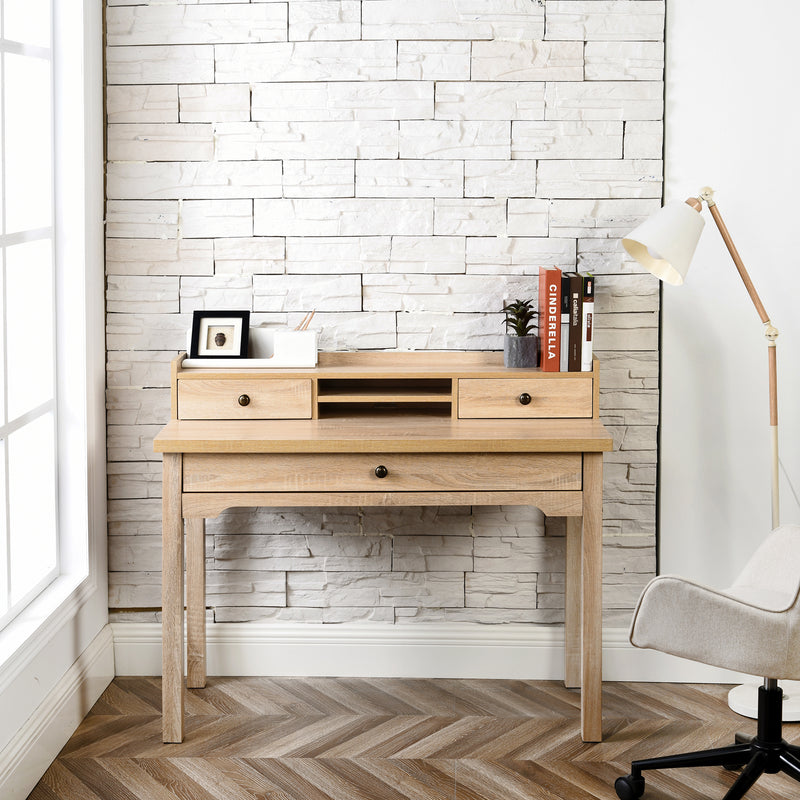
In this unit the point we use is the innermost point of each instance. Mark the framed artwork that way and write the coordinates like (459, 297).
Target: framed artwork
(220, 334)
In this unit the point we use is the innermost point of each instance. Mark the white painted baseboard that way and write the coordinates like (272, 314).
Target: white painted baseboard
(28, 755)
(454, 650)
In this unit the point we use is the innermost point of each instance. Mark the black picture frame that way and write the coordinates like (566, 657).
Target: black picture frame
(230, 331)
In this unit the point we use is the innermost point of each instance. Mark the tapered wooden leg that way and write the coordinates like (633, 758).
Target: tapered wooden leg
(592, 600)
(195, 602)
(572, 605)
(172, 600)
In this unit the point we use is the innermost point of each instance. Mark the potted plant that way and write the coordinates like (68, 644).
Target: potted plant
(521, 346)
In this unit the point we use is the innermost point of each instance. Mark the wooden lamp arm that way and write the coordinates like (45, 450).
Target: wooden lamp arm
(770, 331)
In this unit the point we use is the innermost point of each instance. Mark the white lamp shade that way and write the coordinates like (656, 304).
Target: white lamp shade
(665, 243)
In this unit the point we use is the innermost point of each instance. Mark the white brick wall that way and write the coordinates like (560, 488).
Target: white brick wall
(305, 61)
(453, 19)
(401, 166)
(344, 100)
(195, 24)
(258, 141)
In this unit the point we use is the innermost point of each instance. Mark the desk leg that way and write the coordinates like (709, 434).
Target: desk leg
(572, 607)
(592, 599)
(172, 600)
(196, 602)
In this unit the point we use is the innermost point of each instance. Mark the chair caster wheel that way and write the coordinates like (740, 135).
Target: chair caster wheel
(629, 788)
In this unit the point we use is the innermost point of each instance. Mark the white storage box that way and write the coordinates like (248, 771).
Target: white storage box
(268, 347)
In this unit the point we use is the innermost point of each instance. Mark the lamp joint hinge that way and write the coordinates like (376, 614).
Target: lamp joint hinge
(770, 331)
(707, 195)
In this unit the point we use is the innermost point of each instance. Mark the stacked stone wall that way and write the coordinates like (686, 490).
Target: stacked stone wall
(401, 167)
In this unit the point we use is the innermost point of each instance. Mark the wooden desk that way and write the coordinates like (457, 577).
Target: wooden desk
(382, 429)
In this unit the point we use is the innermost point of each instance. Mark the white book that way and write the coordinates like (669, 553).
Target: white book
(587, 323)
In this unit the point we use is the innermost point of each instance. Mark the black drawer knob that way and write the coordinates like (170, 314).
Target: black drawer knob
(524, 399)
(244, 399)
(381, 471)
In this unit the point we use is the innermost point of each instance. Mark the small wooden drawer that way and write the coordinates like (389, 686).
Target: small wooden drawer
(521, 398)
(244, 399)
(367, 472)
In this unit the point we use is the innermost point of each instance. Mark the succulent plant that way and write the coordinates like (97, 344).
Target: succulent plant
(520, 317)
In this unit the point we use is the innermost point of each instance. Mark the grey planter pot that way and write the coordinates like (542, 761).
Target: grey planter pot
(520, 352)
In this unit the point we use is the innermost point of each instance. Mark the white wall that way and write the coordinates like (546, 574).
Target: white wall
(731, 123)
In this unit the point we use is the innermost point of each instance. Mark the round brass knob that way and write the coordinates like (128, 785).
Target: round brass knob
(524, 399)
(244, 400)
(381, 471)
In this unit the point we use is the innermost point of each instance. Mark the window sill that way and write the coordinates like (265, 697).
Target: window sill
(27, 633)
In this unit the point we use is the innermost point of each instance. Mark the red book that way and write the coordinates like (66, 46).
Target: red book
(550, 319)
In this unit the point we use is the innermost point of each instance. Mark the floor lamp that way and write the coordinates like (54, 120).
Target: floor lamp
(664, 244)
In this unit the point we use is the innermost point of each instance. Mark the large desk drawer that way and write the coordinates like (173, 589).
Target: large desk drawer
(244, 399)
(330, 472)
(525, 398)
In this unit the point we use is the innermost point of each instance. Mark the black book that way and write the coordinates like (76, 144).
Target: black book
(575, 322)
(564, 322)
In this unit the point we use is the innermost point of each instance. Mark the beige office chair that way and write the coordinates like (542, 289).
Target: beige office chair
(753, 627)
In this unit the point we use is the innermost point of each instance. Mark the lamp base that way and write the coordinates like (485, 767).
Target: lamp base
(744, 700)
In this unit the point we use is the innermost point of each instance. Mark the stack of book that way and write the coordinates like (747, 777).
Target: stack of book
(566, 320)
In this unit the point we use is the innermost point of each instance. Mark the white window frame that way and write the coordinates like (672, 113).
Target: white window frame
(73, 608)
(50, 406)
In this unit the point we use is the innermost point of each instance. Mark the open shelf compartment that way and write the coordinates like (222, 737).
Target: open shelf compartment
(340, 393)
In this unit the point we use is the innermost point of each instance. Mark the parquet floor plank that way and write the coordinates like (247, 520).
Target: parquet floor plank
(424, 779)
(235, 778)
(60, 782)
(395, 739)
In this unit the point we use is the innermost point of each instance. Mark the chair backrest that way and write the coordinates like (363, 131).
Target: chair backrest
(771, 578)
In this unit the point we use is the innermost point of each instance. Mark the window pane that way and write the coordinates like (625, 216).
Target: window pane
(28, 143)
(32, 505)
(3, 538)
(27, 21)
(29, 325)
(3, 252)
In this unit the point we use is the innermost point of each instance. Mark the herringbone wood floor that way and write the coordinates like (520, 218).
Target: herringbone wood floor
(394, 739)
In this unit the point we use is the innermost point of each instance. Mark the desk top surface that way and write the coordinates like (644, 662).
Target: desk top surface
(404, 433)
